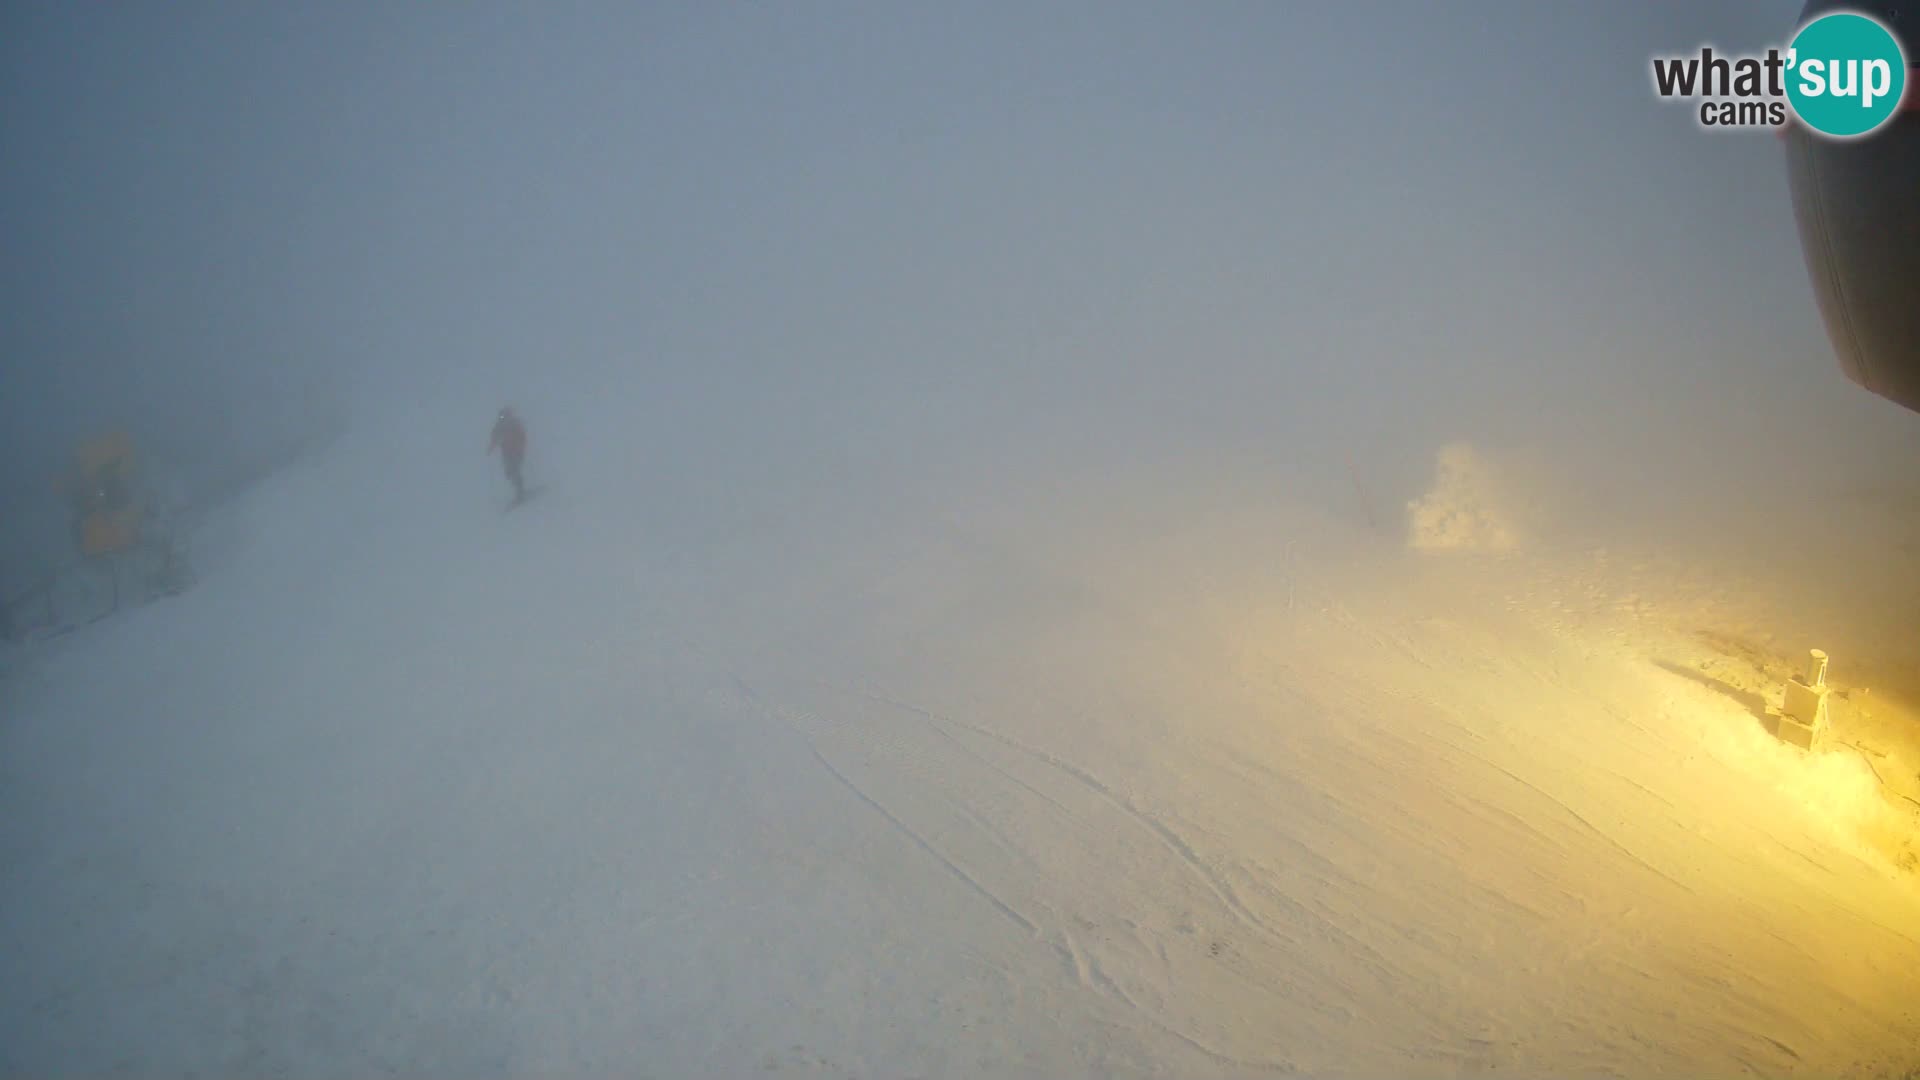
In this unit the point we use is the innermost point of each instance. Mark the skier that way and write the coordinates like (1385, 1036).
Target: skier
(510, 438)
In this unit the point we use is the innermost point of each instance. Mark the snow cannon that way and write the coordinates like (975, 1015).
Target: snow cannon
(1857, 203)
(100, 490)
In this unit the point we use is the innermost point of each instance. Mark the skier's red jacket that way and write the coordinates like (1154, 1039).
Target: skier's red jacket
(509, 437)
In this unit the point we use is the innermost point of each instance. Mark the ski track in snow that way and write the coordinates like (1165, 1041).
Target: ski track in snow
(921, 842)
(1220, 889)
(1076, 956)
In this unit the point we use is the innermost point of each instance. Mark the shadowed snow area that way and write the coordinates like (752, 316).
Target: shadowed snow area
(811, 770)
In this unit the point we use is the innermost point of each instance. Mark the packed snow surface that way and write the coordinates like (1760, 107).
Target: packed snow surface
(817, 770)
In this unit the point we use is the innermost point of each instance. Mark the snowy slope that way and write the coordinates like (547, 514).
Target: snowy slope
(815, 769)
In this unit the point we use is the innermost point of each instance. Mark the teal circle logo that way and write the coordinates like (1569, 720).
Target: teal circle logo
(1846, 74)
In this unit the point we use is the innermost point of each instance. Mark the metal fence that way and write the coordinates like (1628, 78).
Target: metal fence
(86, 589)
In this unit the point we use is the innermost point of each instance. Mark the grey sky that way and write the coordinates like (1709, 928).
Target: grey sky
(1253, 221)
